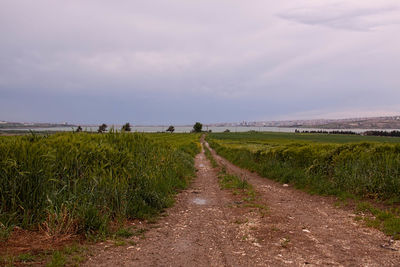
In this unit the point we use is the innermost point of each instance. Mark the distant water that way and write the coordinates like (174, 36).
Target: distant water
(187, 129)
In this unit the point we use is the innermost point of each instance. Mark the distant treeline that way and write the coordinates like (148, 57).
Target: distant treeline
(327, 132)
(383, 133)
(368, 133)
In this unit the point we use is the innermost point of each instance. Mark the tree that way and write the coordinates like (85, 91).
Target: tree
(102, 128)
(126, 127)
(79, 129)
(227, 131)
(171, 129)
(197, 127)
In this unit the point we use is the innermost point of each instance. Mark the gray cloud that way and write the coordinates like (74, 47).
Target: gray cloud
(159, 62)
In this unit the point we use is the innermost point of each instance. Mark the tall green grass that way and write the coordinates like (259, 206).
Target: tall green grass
(370, 170)
(188, 143)
(79, 182)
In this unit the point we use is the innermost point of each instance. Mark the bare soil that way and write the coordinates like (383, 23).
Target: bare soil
(35, 243)
(212, 227)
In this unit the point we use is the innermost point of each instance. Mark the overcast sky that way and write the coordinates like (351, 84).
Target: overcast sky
(177, 62)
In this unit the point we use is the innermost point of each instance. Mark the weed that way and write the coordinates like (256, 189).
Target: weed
(372, 223)
(152, 220)
(364, 207)
(358, 218)
(7, 260)
(140, 232)
(230, 181)
(241, 221)
(73, 249)
(263, 209)
(210, 157)
(284, 242)
(58, 259)
(71, 255)
(240, 186)
(386, 220)
(119, 243)
(77, 259)
(258, 206)
(392, 200)
(274, 228)
(250, 195)
(26, 257)
(4, 232)
(124, 233)
(132, 243)
(223, 169)
(59, 222)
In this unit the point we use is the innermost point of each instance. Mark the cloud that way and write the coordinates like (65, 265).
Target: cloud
(344, 114)
(347, 16)
(210, 60)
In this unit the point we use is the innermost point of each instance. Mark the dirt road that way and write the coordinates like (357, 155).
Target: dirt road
(212, 227)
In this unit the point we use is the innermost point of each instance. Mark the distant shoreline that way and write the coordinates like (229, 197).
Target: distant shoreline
(187, 129)
(369, 123)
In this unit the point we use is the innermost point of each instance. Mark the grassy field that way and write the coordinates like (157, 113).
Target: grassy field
(281, 138)
(364, 168)
(79, 182)
(327, 164)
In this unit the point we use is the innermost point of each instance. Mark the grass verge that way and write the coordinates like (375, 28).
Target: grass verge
(210, 157)
(240, 186)
(388, 220)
